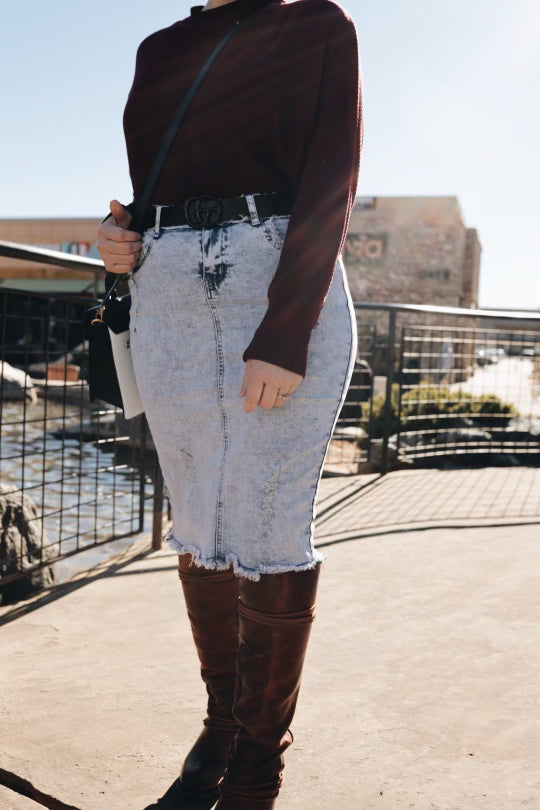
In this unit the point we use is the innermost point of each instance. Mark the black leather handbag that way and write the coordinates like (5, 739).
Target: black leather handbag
(113, 310)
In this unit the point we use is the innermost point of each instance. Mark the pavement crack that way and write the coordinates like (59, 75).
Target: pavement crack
(30, 624)
(25, 788)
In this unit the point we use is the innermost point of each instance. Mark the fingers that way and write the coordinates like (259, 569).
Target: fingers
(119, 247)
(119, 264)
(264, 382)
(109, 231)
(119, 258)
(120, 271)
(263, 395)
(118, 267)
(121, 214)
(253, 393)
(270, 397)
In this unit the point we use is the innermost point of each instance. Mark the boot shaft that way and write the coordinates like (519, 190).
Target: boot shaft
(211, 599)
(275, 618)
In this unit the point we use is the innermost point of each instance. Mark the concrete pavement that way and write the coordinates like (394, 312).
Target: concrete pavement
(420, 688)
(9, 800)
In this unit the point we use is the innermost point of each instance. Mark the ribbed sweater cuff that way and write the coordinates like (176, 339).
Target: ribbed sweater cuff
(288, 352)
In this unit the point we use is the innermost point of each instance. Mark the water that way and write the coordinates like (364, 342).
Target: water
(83, 491)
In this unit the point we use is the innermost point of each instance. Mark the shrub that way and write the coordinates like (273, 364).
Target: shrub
(441, 408)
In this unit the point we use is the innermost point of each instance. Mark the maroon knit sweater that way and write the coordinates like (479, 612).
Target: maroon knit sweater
(280, 110)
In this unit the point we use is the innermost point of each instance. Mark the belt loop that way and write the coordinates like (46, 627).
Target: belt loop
(252, 208)
(157, 223)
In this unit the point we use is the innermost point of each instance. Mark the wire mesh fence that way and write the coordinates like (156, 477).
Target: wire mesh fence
(430, 386)
(468, 391)
(74, 474)
(440, 384)
(350, 445)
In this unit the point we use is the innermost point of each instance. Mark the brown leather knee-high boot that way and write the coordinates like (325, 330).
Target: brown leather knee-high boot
(275, 618)
(212, 604)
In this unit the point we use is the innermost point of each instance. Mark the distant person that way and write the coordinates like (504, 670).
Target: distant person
(446, 360)
(243, 336)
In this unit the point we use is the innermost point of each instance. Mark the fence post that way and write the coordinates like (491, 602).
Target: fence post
(401, 383)
(143, 433)
(387, 416)
(157, 518)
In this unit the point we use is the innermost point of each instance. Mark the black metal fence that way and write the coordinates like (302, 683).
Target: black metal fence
(74, 474)
(465, 390)
(436, 382)
(429, 382)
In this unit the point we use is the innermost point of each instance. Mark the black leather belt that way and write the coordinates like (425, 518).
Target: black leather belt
(207, 211)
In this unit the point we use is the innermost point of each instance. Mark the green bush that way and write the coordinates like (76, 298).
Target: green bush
(441, 408)
(375, 426)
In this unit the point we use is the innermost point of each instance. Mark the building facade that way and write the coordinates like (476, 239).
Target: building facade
(75, 236)
(412, 250)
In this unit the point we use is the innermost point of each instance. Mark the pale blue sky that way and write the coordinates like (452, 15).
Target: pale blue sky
(451, 107)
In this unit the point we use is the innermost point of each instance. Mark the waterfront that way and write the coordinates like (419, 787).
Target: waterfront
(85, 490)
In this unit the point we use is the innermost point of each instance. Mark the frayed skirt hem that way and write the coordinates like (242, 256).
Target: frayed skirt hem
(240, 570)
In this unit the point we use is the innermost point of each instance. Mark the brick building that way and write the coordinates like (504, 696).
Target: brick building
(412, 250)
(75, 236)
(399, 249)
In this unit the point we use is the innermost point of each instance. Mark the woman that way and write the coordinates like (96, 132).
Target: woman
(240, 293)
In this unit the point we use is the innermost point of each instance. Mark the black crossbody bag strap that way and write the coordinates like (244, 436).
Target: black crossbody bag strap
(112, 279)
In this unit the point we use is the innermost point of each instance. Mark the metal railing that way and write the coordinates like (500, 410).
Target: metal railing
(74, 475)
(446, 382)
(429, 382)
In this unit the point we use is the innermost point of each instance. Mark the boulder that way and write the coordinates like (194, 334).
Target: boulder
(16, 384)
(449, 437)
(20, 546)
(394, 460)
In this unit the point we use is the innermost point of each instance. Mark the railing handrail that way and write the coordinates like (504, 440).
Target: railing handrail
(499, 314)
(15, 250)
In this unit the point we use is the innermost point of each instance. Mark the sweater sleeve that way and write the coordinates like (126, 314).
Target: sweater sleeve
(321, 211)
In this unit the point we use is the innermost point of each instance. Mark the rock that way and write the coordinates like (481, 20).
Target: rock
(394, 461)
(521, 432)
(77, 355)
(464, 435)
(445, 437)
(350, 432)
(20, 546)
(17, 384)
(107, 426)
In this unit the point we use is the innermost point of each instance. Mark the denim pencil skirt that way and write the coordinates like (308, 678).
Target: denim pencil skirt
(242, 486)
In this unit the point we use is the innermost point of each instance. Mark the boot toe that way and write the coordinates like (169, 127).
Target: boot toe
(178, 797)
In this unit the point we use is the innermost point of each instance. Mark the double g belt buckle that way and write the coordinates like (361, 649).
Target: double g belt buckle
(203, 212)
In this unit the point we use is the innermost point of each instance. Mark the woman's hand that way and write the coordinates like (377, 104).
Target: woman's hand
(119, 247)
(263, 380)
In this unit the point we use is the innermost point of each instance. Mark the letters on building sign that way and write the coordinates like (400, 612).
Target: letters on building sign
(77, 248)
(361, 203)
(365, 247)
(438, 274)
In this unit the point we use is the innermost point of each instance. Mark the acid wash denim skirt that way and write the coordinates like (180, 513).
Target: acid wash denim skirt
(242, 486)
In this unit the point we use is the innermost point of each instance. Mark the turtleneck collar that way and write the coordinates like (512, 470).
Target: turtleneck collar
(231, 9)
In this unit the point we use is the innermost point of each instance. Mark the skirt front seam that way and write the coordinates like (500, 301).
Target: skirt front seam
(242, 486)
(219, 548)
